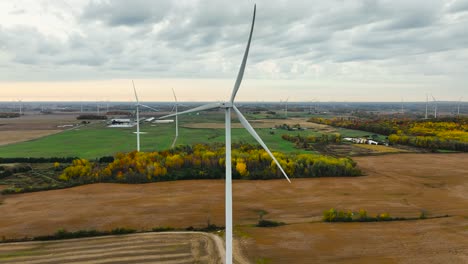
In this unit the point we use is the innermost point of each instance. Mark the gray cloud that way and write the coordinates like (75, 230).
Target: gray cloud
(125, 13)
(329, 40)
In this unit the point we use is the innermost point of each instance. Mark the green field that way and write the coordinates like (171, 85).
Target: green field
(97, 140)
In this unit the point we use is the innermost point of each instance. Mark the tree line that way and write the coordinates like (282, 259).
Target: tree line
(306, 142)
(203, 161)
(444, 133)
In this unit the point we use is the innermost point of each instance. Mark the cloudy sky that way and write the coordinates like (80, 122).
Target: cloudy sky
(369, 50)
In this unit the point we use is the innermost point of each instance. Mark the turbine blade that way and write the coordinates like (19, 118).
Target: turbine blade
(240, 75)
(136, 96)
(196, 109)
(175, 97)
(149, 107)
(249, 128)
(173, 142)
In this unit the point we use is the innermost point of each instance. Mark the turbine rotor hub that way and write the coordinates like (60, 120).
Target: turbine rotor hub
(226, 105)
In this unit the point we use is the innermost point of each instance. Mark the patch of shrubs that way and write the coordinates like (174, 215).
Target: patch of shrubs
(106, 159)
(38, 160)
(9, 115)
(207, 228)
(64, 234)
(15, 190)
(334, 215)
(163, 229)
(268, 223)
(92, 117)
(6, 171)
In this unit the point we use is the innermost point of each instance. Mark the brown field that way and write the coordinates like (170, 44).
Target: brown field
(169, 248)
(267, 123)
(346, 150)
(380, 148)
(32, 126)
(400, 184)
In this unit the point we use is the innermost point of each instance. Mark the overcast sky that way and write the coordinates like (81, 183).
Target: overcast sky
(369, 50)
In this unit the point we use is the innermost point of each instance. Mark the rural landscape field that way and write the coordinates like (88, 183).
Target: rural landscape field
(426, 191)
(221, 132)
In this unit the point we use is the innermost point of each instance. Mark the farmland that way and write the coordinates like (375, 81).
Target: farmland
(401, 184)
(96, 140)
(139, 248)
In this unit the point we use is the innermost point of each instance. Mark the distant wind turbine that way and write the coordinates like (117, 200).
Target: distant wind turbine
(402, 107)
(138, 115)
(427, 103)
(286, 107)
(20, 107)
(435, 106)
(458, 106)
(228, 106)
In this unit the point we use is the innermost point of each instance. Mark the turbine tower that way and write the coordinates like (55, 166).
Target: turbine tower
(427, 103)
(402, 107)
(228, 106)
(138, 115)
(20, 107)
(435, 106)
(176, 119)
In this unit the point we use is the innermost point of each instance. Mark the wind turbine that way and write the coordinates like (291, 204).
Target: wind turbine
(427, 103)
(286, 107)
(138, 115)
(176, 120)
(228, 106)
(435, 106)
(20, 107)
(402, 108)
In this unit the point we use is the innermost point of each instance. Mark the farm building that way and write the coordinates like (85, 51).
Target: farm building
(361, 141)
(121, 122)
(166, 121)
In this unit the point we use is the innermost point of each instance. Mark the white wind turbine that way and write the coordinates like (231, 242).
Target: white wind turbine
(427, 103)
(176, 119)
(138, 116)
(20, 107)
(458, 106)
(228, 106)
(435, 106)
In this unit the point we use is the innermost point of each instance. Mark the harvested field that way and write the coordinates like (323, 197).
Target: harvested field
(267, 123)
(168, 248)
(380, 148)
(32, 126)
(346, 150)
(400, 184)
(13, 136)
(440, 240)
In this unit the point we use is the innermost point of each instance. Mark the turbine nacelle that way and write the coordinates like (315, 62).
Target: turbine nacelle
(226, 105)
